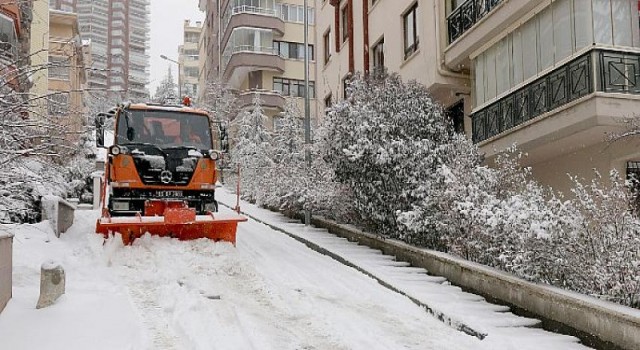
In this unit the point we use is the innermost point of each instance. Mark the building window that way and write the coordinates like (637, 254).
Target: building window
(58, 68)
(328, 101)
(191, 72)
(344, 23)
(8, 38)
(326, 43)
(292, 50)
(452, 5)
(410, 27)
(293, 87)
(378, 54)
(345, 86)
(456, 115)
(294, 13)
(58, 103)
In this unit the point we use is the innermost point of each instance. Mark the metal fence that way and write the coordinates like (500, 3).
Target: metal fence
(467, 15)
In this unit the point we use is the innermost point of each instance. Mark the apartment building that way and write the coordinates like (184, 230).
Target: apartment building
(553, 77)
(189, 59)
(404, 36)
(66, 71)
(258, 46)
(119, 35)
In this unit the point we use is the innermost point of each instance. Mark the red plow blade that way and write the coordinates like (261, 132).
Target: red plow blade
(180, 223)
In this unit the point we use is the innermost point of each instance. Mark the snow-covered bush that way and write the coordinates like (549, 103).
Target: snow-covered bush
(387, 141)
(605, 245)
(22, 183)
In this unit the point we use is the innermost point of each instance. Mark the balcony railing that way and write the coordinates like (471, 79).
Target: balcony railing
(236, 10)
(601, 70)
(467, 15)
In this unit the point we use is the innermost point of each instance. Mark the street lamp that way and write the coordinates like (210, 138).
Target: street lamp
(307, 116)
(164, 57)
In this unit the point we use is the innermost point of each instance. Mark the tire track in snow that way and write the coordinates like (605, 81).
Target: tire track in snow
(161, 335)
(202, 295)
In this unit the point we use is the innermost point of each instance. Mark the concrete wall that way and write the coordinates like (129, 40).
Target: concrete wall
(59, 212)
(608, 322)
(6, 256)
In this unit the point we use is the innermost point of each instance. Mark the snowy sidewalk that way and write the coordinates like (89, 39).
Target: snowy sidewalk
(500, 328)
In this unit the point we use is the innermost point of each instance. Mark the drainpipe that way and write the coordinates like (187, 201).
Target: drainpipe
(352, 62)
(442, 70)
(365, 34)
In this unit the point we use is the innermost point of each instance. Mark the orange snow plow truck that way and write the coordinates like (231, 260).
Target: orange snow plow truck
(160, 174)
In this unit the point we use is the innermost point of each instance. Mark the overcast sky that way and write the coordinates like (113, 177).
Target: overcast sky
(167, 19)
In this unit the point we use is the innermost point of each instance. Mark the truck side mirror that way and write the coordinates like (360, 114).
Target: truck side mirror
(224, 138)
(99, 120)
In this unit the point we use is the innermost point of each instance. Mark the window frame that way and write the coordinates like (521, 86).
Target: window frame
(326, 42)
(344, 22)
(410, 48)
(375, 54)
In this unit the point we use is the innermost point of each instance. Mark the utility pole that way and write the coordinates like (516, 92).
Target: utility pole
(307, 106)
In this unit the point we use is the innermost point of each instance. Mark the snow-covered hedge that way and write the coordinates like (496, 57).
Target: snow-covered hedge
(387, 159)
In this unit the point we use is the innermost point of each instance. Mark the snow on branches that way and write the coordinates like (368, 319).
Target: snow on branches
(388, 140)
(387, 159)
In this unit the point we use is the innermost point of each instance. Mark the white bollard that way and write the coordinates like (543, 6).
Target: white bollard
(52, 284)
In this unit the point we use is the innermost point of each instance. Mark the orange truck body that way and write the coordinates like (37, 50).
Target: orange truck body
(166, 199)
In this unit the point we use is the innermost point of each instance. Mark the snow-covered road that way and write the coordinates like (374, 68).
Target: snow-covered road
(269, 292)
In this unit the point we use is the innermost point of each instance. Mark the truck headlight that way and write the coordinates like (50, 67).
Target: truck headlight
(211, 207)
(115, 150)
(214, 155)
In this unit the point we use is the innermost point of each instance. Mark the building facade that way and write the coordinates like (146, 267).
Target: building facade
(404, 36)
(189, 59)
(119, 35)
(259, 48)
(553, 77)
(66, 71)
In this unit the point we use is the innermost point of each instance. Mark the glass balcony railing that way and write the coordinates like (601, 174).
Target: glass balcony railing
(467, 15)
(602, 70)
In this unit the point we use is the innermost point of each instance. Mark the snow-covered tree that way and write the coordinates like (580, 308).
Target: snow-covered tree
(284, 185)
(251, 150)
(220, 101)
(167, 91)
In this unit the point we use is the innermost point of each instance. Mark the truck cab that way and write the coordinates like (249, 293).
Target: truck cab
(161, 152)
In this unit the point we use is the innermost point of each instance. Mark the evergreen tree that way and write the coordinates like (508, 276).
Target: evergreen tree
(251, 151)
(166, 92)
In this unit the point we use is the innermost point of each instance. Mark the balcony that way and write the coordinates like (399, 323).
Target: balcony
(476, 22)
(270, 99)
(245, 59)
(251, 16)
(575, 103)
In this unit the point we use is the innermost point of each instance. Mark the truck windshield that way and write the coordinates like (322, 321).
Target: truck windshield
(164, 129)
